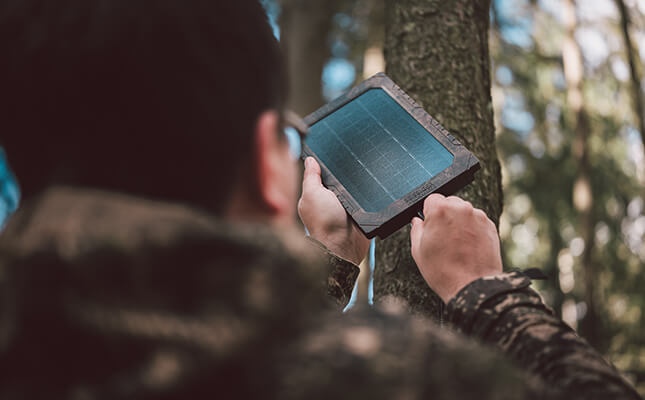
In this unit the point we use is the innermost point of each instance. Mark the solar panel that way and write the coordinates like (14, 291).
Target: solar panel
(377, 149)
(382, 155)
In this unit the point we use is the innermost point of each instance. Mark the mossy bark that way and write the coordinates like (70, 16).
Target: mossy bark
(437, 51)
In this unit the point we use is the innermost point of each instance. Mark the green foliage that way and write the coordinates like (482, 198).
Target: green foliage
(540, 227)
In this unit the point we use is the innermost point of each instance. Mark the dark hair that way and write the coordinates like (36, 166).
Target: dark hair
(157, 98)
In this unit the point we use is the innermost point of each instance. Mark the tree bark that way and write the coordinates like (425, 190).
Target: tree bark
(304, 29)
(437, 51)
(582, 189)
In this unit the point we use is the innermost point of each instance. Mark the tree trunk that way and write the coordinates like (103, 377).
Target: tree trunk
(582, 190)
(304, 29)
(437, 51)
(637, 93)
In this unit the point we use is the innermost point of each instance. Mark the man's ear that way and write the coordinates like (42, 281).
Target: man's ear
(271, 157)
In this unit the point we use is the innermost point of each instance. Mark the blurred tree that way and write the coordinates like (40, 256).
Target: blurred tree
(637, 93)
(437, 51)
(324, 42)
(582, 191)
(541, 225)
(304, 26)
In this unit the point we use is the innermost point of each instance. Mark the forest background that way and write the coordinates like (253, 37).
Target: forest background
(567, 96)
(568, 108)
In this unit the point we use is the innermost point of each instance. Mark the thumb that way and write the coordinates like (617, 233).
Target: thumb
(415, 234)
(311, 178)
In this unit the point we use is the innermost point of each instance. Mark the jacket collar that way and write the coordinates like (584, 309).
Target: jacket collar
(71, 222)
(100, 250)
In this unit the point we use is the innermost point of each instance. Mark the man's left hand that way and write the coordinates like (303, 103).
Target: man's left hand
(326, 219)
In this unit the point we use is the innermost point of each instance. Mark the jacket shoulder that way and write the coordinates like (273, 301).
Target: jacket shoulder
(370, 353)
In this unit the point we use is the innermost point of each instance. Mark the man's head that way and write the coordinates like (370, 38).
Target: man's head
(169, 99)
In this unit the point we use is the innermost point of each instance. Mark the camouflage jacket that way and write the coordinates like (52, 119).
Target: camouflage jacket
(106, 296)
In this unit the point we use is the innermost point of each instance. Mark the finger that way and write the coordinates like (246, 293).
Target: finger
(311, 178)
(455, 199)
(415, 234)
(431, 202)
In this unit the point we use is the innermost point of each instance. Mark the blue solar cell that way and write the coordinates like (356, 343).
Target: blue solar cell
(377, 150)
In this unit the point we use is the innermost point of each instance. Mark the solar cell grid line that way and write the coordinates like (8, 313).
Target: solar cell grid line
(389, 144)
(358, 101)
(359, 150)
(359, 160)
(363, 129)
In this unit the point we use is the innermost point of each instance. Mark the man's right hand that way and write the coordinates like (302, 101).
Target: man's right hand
(455, 245)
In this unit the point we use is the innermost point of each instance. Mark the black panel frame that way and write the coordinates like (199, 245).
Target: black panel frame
(400, 212)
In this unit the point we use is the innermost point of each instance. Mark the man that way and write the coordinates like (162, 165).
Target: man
(155, 254)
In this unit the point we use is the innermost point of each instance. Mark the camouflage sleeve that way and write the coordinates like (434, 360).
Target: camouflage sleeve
(503, 310)
(342, 275)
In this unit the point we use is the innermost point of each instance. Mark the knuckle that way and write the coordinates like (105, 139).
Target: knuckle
(439, 208)
(413, 246)
(464, 209)
(309, 189)
(491, 224)
(459, 204)
(303, 196)
(432, 198)
(301, 205)
(460, 208)
(480, 214)
(307, 182)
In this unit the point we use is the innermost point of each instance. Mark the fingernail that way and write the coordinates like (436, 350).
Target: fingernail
(307, 162)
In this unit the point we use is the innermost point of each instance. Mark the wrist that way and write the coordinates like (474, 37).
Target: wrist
(342, 248)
